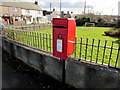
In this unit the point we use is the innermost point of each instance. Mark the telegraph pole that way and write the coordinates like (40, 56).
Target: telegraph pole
(60, 9)
(50, 11)
(112, 12)
(50, 7)
(60, 6)
(85, 7)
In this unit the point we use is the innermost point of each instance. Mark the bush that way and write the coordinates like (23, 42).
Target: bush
(82, 21)
(113, 33)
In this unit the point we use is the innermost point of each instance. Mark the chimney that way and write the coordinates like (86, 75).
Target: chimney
(68, 12)
(53, 9)
(71, 12)
(62, 14)
(36, 2)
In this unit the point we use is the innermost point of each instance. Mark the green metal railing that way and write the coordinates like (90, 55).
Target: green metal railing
(84, 49)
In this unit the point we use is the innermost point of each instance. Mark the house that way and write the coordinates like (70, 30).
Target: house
(7, 13)
(21, 12)
(53, 14)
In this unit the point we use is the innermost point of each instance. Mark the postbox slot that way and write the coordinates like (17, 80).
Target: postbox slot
(59, 26)
(60, 31)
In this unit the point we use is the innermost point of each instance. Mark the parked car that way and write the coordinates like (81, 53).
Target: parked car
(2, 25)
(2, 28)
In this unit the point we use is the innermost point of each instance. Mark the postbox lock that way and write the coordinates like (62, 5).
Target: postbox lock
(59, 36)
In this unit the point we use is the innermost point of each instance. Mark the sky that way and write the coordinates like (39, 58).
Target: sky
(105, 7)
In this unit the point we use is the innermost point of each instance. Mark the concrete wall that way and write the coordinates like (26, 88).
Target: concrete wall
(78, 74)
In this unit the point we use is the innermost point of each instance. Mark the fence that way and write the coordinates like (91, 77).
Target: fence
(87, 50)
(32, 27)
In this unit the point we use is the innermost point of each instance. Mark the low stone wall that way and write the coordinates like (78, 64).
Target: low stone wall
(32, 27)
(19, 22)
(78, 74)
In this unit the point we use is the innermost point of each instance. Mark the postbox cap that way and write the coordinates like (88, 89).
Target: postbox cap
(61, 21)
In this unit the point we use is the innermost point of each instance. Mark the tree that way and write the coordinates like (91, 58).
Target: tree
(82, 21)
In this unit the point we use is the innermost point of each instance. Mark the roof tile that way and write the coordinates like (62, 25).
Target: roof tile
(25, 5)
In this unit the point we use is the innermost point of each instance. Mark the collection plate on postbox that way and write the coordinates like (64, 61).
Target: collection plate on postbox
(64, 32)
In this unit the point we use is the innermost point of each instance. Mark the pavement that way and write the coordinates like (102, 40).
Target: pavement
(0, 67)
(13, 79)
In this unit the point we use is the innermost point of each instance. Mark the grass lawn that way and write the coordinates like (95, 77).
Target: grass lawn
(96, 54)
(88, 32)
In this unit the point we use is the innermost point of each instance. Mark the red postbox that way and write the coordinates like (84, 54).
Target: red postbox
(64, 31)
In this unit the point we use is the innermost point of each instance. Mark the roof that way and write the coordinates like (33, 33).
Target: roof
(25, 5)
(56, 12)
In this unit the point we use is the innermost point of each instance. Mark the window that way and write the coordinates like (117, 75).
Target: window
(16, 18)
(33, 19)
(27, 11)
(28, 19)
(39, 12)
(14, 9)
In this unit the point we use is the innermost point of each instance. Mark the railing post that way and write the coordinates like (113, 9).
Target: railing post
(111, 53)
(93, 40)
(13, 35)
(47, 42)
(118, 55)
(50, 42)
(104, 51)
(80, 48)
(41, 40)
(75, 47)
(98, 50)
(86, 48)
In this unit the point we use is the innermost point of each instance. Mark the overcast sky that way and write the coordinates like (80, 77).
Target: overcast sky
(102, 6)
